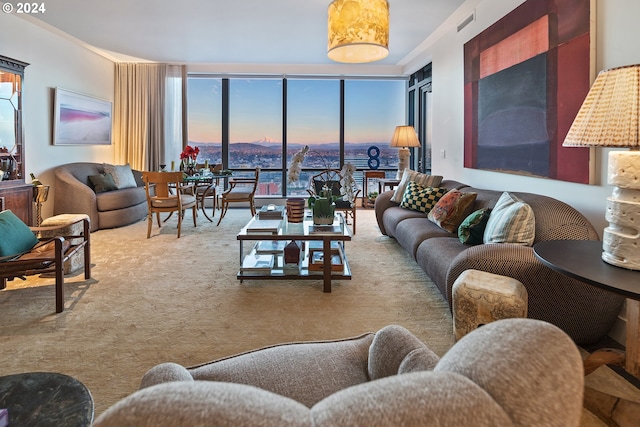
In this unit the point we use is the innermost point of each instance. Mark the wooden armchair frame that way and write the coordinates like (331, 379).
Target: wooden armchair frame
(49, 256)
(333, 177)
(240, 190)
(158, 186)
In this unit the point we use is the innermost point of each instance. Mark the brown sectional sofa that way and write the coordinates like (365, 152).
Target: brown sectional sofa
(584, 312)
(73, 194)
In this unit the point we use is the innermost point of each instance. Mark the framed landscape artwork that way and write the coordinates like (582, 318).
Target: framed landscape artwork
(81, 119)
(525, 78)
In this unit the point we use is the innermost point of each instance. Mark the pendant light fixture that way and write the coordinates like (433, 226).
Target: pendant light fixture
(358, 30)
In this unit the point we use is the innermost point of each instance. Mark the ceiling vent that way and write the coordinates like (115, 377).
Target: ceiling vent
(469, 19)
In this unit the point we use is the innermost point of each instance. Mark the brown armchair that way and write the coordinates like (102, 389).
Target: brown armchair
(331, 178)
(240, 190)
(46, 256)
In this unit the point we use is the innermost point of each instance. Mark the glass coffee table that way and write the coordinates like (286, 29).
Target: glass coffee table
(322, 254)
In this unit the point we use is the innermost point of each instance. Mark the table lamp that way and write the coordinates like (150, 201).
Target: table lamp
(609, 117)
(403, 138)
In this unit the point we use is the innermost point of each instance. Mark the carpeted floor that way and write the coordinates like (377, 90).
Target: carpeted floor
(166, 299)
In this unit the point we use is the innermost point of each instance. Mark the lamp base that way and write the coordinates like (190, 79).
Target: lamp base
(403, 161)
(621, 239)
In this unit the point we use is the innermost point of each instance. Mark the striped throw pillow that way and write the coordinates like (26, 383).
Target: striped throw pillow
(511, 221)
(420, 178)
(420, 198)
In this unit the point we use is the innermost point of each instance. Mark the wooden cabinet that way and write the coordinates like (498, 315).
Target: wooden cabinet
(19, 199)
(15, 193)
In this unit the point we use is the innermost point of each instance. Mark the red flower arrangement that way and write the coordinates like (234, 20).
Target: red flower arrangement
(189, 153)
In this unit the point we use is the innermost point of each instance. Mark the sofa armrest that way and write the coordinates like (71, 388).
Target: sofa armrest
(551, 294)
(74, 196)
(382, 203)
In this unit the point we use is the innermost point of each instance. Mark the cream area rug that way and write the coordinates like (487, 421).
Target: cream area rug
(166, 299)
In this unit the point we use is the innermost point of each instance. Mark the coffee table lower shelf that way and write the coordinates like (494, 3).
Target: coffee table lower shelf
(302, 274)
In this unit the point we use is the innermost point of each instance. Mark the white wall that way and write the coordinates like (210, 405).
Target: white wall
(617, 44)
(54, 61)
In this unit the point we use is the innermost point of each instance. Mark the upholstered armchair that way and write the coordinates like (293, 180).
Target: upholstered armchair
(514, 372)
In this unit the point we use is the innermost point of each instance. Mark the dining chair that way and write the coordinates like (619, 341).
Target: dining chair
(331, 179)
(240, 190)
(160, 198)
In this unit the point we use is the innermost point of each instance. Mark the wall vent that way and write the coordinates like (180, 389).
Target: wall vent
(469, 19)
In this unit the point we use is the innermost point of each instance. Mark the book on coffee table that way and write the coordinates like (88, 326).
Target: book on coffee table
(255, 263)
(270, 226)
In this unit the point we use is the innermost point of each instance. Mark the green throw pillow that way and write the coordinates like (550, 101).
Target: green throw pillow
(17, 237)
(103, 182)
(471, 231)
(419, 198)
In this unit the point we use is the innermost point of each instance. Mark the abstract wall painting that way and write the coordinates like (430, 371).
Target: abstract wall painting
(525, 79)
(81, 119)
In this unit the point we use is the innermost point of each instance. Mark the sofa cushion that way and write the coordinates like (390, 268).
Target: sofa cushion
(121, 199)
(122, 175)
(17, 237)
(471, 231)
(452, 209)
(411, 232)
(511, 221)
(102, 183)
(419, 198)
(421, 178)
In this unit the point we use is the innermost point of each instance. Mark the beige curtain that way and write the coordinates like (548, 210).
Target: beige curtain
(141, 117)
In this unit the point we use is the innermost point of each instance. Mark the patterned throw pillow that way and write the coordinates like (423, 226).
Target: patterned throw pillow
(472, 228)
(420, 178)
(452, 209)
(511, 221)
(420, 198)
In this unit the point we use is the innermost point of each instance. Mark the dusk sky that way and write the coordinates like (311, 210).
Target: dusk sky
(373, 110)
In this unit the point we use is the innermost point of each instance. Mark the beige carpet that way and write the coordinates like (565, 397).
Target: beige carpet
(167, 299)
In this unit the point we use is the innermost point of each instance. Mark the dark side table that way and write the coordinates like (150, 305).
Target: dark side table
(582, 260)
(46, 399)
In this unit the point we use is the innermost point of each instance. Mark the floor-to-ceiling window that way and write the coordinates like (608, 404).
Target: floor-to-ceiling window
(313, 119)
(255, 131)
(204, 118)
(373, 109)
(248, 122)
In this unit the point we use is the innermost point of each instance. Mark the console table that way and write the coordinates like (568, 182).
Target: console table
(46, 399)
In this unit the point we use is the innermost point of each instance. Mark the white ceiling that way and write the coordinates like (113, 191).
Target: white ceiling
(231, 31)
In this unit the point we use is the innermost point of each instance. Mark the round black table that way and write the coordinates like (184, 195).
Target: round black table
(582, 260)
(46, 399)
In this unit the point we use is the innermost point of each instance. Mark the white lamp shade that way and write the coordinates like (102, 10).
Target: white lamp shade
(358, 30)
(609, 116)
(405, 136)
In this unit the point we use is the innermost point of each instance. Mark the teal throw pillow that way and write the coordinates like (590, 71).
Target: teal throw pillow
(102, 183)
(16, 236)
(471, 230)
(419, 198)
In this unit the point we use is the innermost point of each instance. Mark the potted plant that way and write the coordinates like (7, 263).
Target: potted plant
(323, 207)
(372, 197)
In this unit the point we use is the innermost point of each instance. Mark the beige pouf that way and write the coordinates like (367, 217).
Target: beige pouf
(69, 227)
(480, 297)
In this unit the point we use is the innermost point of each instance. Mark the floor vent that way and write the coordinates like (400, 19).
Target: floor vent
(469, 19)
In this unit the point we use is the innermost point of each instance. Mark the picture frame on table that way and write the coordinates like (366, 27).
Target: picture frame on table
(81, 119)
